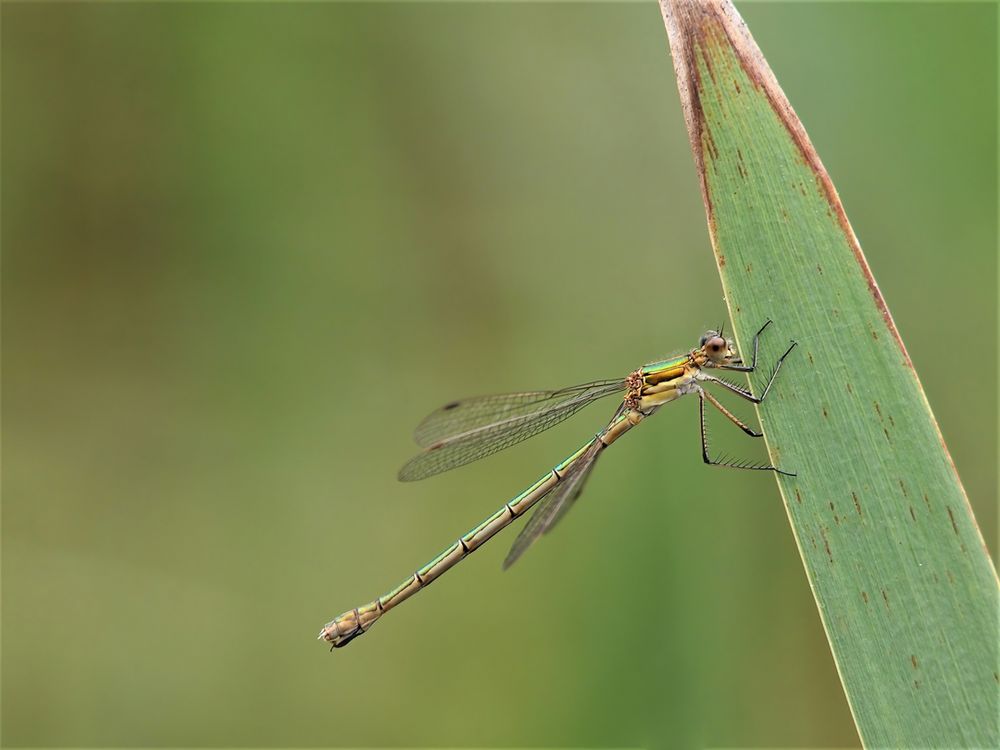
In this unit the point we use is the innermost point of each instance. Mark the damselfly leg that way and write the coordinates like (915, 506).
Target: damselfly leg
(745, 392)
(742, 392)
(729, 415)
(737, 364)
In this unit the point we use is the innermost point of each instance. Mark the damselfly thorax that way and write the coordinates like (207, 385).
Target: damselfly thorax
(470, 429)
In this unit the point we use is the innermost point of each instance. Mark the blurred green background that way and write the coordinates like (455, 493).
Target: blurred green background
(246, 247)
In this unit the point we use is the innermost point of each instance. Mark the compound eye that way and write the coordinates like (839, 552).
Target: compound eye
(716, 347)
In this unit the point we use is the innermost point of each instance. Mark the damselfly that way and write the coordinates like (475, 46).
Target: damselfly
(467, 430)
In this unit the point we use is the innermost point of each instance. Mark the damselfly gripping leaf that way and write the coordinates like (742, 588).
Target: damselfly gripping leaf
(467, 430)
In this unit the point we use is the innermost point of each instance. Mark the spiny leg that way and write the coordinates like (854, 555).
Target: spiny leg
(722, 462)
(753, 364)
(730, 416)
(745, 392)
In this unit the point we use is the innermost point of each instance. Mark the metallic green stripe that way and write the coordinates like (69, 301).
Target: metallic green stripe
(492, 519)
(405, 589)
(666, 364)
(525, 496)
(559, 468)
(424, 571)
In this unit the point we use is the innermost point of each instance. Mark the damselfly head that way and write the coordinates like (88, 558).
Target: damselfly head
(717, 349)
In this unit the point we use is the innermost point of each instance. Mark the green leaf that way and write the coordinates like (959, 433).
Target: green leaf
(902, 578)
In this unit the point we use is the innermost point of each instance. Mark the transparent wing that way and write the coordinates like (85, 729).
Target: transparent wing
(552, 509)
(460, 417)
(482, 426)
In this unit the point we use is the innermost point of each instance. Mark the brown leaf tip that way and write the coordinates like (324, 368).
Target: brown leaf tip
(695, 26)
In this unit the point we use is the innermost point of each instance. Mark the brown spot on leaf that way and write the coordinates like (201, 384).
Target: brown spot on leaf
(810, 357)
(913, 661)
(902, 486)
(878, 410)
(954, 526)
(824, 412)
(736, 84)
(951, 515)
(885, 598)
(913, 513)
(864, 595)
(826, 544)
(710, 146)
(927, 501)
(722, 260)
(857, 503)
(849, 388)
(798, 497)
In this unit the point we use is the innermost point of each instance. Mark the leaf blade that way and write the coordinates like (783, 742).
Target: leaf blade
(906, 590)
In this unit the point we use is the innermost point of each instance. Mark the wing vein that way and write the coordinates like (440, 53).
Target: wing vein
(486, 425)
